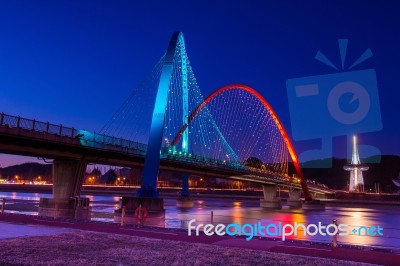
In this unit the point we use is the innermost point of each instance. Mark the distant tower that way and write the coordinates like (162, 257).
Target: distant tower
(356, 168)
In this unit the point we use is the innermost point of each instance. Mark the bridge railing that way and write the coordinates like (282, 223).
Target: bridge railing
(92, 138)
(38, 126)
(60, 130)
(171, 153)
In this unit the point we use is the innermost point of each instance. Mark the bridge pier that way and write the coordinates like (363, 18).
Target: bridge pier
(68, 177)
(270, 201)
(314, 204)
(184, 200)
(154, 207)
(294, 199)
(319, 195)
(146, 197)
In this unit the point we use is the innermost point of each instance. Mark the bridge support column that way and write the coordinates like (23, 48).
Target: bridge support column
(147, 195)
(184, 200)
(270, 201)
(294, 199)
(154, 207)
(68, 177)
(315, 204)
(319, 195)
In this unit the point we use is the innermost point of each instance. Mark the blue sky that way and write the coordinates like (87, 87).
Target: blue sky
(75, 62)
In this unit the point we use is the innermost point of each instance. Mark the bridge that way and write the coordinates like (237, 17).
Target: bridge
(166, 124)
(29, 137)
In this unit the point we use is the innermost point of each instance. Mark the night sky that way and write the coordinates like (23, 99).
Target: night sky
(75, 62)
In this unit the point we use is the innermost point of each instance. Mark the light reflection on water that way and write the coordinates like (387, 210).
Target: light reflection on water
(18, 212)
(24, 195)
(247, 211)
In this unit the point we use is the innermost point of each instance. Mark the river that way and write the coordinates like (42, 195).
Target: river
(244, 211)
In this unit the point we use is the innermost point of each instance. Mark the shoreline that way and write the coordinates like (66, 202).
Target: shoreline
(235, 250)
(121, 191)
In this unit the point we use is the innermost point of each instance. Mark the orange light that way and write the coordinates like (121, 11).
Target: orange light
(268, 107)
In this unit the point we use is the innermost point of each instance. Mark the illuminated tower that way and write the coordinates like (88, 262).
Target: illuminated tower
(356, 168)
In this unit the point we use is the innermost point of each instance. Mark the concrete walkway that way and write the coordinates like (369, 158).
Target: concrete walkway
(12, 230)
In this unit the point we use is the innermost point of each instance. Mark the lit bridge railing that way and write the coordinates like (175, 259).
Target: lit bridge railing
(181, 156)
(86, 138)
(171, 153)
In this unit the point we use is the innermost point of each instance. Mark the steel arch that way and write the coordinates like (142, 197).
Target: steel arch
(267, 106)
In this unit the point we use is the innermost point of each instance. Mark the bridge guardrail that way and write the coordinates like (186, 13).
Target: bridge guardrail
(60, 130)
(171, 154)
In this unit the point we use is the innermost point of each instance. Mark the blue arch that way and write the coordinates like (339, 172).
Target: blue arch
(152, 159)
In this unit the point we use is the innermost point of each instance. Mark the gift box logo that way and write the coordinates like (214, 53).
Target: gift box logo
(342, 103)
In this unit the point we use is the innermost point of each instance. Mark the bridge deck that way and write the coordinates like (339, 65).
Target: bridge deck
(27, 137)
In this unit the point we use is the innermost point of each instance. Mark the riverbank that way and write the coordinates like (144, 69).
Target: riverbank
(131, 190)
(342, 199)
(93, 243)
(359, 203)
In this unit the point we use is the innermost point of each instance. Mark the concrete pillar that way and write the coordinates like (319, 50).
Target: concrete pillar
(320, 196)
(270, 201)
(68, 177)
(147, 198)
(184, 200)
(185, 186)
(313, 205)
(294, 199)
(155, 213)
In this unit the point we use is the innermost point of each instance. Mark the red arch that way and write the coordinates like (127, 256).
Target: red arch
(267, 106)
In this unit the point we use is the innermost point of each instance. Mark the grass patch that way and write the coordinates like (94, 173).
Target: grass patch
(88, 248)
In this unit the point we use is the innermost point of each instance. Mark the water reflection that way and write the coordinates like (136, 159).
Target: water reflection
(292, 218)
(358, 217)
(24, 196)
(236, 213)
(200, 202)
(237, 204)
(247, 211)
